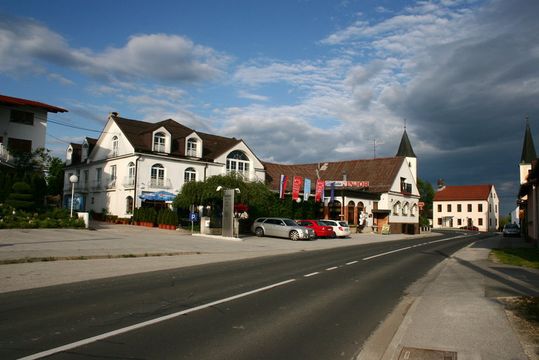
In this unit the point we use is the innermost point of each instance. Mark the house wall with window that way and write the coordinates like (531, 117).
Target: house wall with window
(402, 198)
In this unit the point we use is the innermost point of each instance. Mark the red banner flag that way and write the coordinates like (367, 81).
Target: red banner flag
(296, 186)
(319, 190)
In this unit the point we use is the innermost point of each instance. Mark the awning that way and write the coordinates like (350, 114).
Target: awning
(158, 196)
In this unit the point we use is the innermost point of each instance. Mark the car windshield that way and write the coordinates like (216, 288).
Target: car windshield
(511, 226)
(289, 222)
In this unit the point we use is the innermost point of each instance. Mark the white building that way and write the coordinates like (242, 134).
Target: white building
(466, 206)
(133, 159)
(385, 189)
(23, 125)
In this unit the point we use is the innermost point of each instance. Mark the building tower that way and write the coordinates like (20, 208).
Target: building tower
(528, 153)
(405, 150)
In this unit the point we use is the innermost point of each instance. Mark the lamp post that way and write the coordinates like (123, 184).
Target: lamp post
(73, 179)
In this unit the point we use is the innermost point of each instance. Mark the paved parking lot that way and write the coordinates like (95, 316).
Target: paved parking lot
(114, 250)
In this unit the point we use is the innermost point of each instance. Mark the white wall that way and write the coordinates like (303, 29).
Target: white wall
(464, 214)
(36, 133)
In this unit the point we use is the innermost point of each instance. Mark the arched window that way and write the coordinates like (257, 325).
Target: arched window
(129, 205)
(115, 146)
(405, 208)
(159, 142)
(157, 176)
(130, 181)
(192, 147)
(397, 208)
(237, 162)
(413, 212)
(190, 175)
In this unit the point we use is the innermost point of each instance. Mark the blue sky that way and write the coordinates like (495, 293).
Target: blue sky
(300, 81)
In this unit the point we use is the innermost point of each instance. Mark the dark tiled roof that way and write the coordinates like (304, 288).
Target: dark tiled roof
(380, 173)
(464, 192)
(139, 134)
(528, 148)
(405, 147)
(24, 102)
(76, 154)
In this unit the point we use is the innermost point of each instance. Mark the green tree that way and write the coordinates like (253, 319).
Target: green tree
(426, 192)
(55, 178)
(21, 196)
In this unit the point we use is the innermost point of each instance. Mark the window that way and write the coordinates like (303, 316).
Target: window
(414, 210)
(489, 207)
(129, 205)
(469, 207)
(22, 117)
(130, 181)
(439, 208)
(405, 209)
(86, 178)
(459, 222)
(439, 221)
(20, 145)
(112, 182)
(459, 207)
(480, 207)
(237, 162)
(157, 176)
(98, 176)
(115, 146)
(397, 208)
(190, 175)
(448, 207)
(192, 147)
(480, 222)
(159, 142)
(496, 208)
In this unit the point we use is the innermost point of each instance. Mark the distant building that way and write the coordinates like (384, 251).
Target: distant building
(23, 125)
(466, 206)
(384, 189)
(134, 161)
(528, 196)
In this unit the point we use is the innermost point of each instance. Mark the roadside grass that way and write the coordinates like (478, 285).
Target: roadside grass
(527, 257)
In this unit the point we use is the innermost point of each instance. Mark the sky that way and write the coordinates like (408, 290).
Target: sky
(300, 81)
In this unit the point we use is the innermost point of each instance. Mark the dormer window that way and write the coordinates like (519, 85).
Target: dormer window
(115, 144)
(192, 147)
(159, 141)
(237, 162)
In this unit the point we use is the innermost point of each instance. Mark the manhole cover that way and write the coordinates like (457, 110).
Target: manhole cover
(409, 353)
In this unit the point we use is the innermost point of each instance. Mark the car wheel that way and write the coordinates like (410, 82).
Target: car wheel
(333, 236)
(259, 232)
(294, 235)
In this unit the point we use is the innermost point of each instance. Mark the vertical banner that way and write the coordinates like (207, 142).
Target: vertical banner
(306, 189)
(296, 187)
(319, 195)
(332, 193)
(282, 186)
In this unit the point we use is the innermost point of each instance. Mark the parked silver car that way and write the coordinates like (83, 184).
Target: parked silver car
(281, 227)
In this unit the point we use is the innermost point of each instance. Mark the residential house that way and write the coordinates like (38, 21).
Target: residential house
(466, 206)
(23, 125)
(383, 189)
(133, 160)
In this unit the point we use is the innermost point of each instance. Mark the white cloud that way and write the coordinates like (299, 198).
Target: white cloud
(246, 95)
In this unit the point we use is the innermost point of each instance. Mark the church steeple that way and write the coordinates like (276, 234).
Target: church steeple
(405, 147)
(528, 148)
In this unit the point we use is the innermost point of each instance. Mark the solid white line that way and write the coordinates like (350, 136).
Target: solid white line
(351, 262)
(311, 274)
(412, 246)
(148, 323)
(332, 268)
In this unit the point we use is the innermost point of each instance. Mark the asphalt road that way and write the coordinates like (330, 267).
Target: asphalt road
(313, 305)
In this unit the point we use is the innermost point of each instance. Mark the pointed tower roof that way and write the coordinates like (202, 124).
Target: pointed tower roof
(405, 147)
(528, 148)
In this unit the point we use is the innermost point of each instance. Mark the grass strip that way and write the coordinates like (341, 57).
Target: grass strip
(527, 257)
(92, 257)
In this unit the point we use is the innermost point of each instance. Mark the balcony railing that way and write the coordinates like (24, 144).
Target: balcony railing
(160, 183)
(129, 182)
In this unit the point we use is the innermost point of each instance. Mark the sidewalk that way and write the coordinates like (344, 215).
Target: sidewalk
(454, 311)
(115, 250)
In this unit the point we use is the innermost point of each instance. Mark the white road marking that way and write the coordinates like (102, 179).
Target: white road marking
(149, 322)
(351, 262)
(332, 268)
(311, 274)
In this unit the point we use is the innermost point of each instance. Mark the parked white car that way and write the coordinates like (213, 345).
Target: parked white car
(281, 227)
(341, 228)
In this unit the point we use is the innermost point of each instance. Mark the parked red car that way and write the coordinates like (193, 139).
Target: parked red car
(320, 230)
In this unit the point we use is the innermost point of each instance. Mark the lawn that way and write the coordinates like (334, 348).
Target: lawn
(528, 257)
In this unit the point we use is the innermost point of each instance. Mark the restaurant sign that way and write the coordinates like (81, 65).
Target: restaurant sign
(341, 183)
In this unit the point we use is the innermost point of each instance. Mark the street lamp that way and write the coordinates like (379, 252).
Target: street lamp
(73, 179)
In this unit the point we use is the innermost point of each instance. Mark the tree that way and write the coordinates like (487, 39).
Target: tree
(426, 192)
(21, 196)
(28, 163)
(55, 178)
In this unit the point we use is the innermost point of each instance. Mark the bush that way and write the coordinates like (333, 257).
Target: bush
(11, 218)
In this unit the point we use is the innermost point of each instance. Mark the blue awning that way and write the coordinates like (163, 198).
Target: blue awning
(158, 196)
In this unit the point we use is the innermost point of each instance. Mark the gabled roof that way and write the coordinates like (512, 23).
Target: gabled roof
(405, 147)
(24, 102)
(139, 135)
(464, 192)
(528, 148)
(380, 173)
